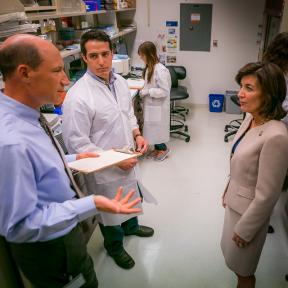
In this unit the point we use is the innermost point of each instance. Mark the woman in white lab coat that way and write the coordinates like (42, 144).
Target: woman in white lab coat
(156, 99)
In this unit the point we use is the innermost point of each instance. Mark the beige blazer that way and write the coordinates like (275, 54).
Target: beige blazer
(257, 171)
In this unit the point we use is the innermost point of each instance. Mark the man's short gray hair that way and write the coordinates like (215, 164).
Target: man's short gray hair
(13, 55)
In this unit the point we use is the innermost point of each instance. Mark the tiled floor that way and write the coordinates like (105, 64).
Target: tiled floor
(184, 251)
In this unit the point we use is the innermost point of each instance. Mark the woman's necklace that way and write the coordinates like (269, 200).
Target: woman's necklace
(259, 123)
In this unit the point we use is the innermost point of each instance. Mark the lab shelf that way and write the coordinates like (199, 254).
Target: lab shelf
(124, 9)
(53, 15)
(62, 8)
(123, 32)
(39, 8)
(67, 53)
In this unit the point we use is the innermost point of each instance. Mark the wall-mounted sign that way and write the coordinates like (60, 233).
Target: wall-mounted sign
(195, 18)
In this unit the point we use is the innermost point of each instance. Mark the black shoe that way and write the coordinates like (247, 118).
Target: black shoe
(270, 229)
(143, 231)
(124, 260)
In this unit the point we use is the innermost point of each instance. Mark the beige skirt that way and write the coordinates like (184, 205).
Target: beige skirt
(243, 261)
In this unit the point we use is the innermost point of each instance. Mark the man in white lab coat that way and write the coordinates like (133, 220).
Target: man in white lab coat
(98, 115)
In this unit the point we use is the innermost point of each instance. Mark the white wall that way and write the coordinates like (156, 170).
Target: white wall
(234, 25)
(284, 24)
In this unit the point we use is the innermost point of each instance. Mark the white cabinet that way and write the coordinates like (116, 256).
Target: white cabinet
(121, 20)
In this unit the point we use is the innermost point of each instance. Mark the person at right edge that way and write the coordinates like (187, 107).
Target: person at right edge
(258, 166)
(156, 99)
(277, 53)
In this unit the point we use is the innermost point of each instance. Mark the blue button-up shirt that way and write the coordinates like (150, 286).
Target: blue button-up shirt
(110, 84)
(36, 201)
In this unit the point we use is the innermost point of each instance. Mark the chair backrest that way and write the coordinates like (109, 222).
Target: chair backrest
(180, 71)
(174, 76)
(235, 100)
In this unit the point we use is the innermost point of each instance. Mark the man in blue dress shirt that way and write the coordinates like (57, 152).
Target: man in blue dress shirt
(39, 212)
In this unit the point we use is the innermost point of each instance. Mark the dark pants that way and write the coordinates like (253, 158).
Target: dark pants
(54, 263)
(161, 147)
(113, 235)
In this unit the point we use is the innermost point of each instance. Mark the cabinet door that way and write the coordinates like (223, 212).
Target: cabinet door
(195, 27)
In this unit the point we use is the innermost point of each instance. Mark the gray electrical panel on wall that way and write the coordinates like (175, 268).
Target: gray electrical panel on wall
(195, 27)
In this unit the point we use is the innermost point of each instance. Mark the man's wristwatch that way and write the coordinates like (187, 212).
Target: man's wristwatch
(137, 135)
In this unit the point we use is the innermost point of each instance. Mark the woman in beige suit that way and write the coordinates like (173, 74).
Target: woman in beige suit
(259, 162)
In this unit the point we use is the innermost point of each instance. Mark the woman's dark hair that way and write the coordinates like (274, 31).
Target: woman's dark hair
(273, 87)
(94, 35)
(277, 51)
(16, 54)
(149, 50)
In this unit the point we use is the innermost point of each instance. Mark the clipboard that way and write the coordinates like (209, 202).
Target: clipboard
(105, 160)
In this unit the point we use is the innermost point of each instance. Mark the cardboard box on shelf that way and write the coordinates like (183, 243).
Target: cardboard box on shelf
(131, 3)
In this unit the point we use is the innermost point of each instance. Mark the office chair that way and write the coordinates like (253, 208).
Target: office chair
(235, 124)
(178, 93)
(181, 74)
(177, 110)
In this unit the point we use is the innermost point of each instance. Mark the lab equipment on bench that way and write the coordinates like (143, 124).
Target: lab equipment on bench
(121, 64)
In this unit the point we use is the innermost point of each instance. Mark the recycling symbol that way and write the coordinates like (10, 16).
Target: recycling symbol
(216, 103)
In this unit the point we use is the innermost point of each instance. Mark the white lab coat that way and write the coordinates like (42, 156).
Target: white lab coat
(156, 108)
(93, 121)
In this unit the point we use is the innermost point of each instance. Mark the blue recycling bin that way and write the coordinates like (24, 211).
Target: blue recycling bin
(216, 102)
